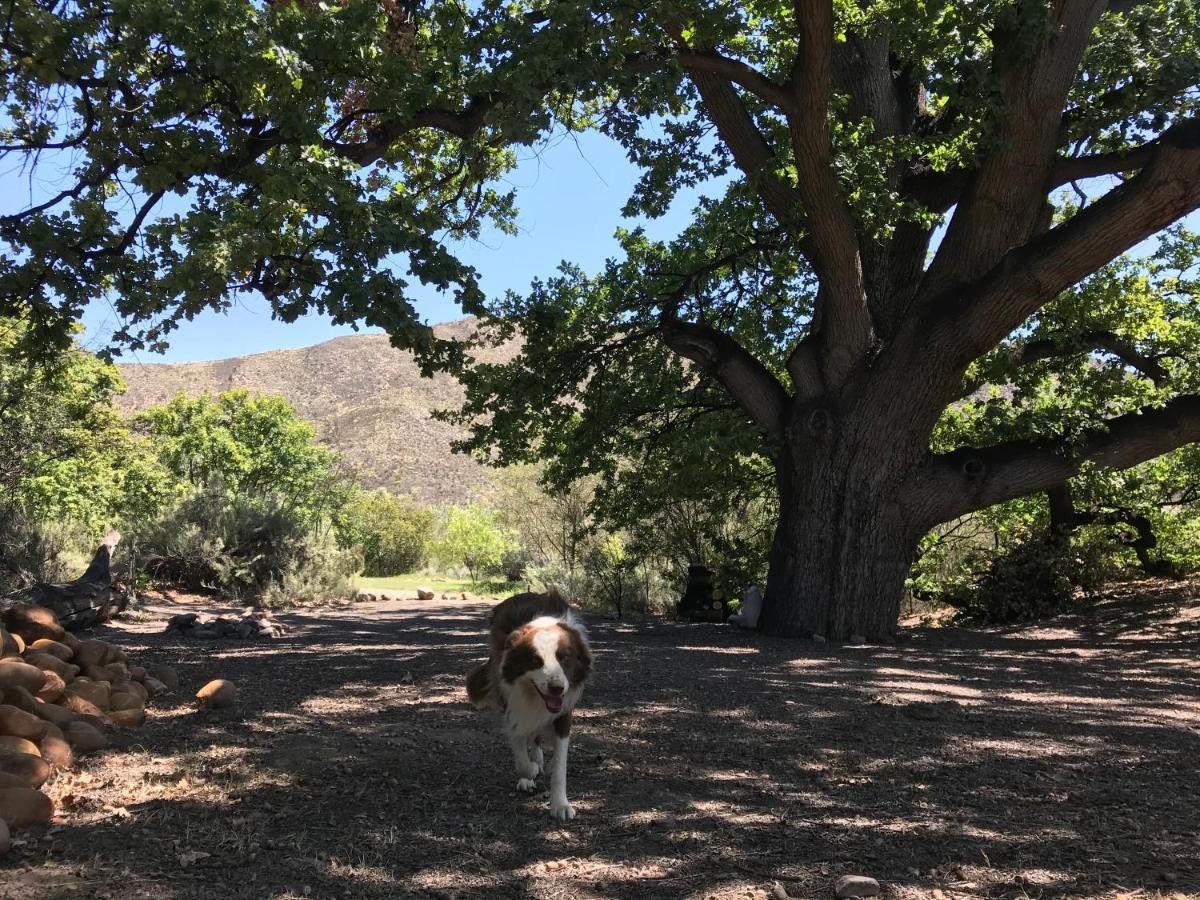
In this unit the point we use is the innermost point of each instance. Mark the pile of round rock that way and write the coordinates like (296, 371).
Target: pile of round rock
(58, 694)
(254, 624)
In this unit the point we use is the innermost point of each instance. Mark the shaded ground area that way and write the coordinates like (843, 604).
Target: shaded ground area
(1038, 762)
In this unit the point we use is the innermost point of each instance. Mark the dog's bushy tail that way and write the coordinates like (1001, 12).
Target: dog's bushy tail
(479, 685)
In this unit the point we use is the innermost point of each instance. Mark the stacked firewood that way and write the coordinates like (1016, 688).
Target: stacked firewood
(58, 695)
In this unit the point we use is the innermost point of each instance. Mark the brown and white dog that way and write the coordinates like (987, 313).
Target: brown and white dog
(539, 660)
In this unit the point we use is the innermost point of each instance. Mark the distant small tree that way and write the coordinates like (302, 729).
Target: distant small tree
(613, 574)
(472, 535)
(393, 532)
(552, 521)
(251, 445)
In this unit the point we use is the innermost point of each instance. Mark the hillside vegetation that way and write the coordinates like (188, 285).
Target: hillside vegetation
(367, 401)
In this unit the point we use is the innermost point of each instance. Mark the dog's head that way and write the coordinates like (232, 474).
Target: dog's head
(548, 656)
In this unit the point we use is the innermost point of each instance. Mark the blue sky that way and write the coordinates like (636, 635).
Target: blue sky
(570, 194)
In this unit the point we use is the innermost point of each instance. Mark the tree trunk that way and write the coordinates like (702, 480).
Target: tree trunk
(844, 545)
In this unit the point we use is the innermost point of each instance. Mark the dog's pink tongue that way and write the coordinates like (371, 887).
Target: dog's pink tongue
(554, 704)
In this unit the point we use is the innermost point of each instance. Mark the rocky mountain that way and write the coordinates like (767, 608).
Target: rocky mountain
(366, 399)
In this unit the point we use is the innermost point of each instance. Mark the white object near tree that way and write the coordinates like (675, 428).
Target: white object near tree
(747, 616)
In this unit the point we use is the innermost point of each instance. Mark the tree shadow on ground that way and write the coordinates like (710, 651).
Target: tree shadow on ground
(1053, 761)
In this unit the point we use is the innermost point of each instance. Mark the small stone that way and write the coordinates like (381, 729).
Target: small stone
(856, 886)
(819, 638)
(857, 639)
(166, 675)
(424, 593)
(217, 694)
(779, 892)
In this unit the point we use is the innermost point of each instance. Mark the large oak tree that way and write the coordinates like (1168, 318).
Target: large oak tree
(314, 144)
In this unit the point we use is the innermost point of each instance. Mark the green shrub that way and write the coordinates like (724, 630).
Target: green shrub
(473, 536)
(1035, 579)
(319, 570)
(392, 532)
(32, 550)
(244, 548)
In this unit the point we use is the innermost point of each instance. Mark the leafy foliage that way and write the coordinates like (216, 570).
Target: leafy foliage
(472, 536)
(1034, 579)
(393, 533)
(60, 434)
(245, 445)
(246, 547)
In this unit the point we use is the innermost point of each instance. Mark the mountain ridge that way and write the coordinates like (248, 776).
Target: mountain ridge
(367, 401)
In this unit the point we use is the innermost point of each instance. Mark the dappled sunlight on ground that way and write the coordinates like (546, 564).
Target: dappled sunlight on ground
(708, 762)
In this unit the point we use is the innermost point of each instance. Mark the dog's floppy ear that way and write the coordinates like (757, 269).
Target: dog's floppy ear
(479, 685)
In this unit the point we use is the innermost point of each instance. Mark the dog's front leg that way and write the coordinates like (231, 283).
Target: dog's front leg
(527, 769)
(536, 754)
(560, 807)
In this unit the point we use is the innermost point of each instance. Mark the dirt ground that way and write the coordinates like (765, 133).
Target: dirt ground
(1058, 761)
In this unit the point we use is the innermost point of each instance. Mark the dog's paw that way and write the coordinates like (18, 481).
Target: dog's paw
(563, 811)
(526, 785)
(528, 771)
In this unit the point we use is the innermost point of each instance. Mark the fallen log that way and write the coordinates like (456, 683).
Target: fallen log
(88, 600)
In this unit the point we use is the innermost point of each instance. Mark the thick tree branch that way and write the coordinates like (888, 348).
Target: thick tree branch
(844, 318)
(1102, 340)
(1028, 277)
(1098, 340)
(971, 479)
(1003, 201)
(734, 70)
(748, 381)
(1073, 168)
(879, 89)
(381, 136)
(938, 191)
(749, 148)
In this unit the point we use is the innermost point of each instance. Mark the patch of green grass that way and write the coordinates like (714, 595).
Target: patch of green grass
(439, 584)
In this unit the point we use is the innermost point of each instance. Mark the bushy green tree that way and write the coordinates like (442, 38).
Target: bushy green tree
(393, 532)
(69, 468)
(246, 445)
(256, 499)
(472, 536)
(552, 523)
